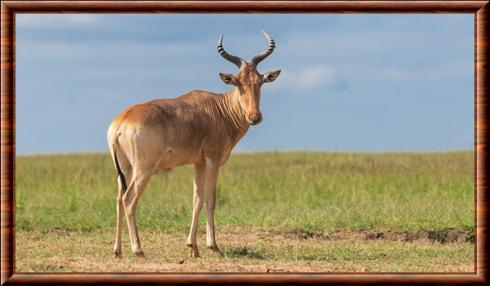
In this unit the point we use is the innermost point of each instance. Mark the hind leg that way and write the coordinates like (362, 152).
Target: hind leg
(120, 217)
(126, 169)
(130, 199)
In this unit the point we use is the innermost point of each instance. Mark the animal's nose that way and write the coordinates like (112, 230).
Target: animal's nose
(255, 118)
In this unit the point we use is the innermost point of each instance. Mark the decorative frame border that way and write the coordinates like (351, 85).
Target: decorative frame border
(9, 9)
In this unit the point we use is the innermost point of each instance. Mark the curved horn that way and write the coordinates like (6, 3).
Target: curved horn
(272, 45)
(234, 59)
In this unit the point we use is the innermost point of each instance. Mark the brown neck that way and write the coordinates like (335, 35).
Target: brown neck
(232, 113)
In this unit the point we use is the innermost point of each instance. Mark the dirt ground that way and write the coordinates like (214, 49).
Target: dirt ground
(247, 251)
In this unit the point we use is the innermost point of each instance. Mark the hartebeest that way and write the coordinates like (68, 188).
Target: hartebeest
(199, 128)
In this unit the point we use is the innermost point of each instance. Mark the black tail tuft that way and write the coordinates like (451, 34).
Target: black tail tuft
(120, 174)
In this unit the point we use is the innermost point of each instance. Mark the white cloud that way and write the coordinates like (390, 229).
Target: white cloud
(309, 78)
(54, 20)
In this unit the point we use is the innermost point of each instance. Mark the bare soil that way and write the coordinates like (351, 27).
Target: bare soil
(442, 236)
(61, 250)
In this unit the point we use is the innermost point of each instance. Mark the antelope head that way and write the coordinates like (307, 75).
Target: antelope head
(248, 80)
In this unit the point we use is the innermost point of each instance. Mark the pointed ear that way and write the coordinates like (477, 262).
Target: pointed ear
(229, 79)
(271, 76)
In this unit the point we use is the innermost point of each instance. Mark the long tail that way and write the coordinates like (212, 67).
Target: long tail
(120, 174)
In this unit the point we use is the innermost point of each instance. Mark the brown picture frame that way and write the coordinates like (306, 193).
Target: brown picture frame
(9, 9)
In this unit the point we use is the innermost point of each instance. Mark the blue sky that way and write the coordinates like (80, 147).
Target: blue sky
(348, 82)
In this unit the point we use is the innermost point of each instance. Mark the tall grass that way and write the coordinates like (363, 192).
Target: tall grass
(277, 191)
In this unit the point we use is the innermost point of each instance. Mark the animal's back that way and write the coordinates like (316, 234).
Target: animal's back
(176, 128)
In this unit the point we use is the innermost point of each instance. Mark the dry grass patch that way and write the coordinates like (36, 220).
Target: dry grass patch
(243, 251)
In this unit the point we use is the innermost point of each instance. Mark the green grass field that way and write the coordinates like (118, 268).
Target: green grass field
(296, 211)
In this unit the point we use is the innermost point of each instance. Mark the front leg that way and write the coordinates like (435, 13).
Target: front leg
(197, 205)
(211, 178)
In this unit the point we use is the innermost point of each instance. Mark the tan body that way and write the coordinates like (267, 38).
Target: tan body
(199, 128)
(180, 131)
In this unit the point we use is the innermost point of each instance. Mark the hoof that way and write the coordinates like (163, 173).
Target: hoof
(118, 254)
(193, 251)
(215, 249)
(140, 254)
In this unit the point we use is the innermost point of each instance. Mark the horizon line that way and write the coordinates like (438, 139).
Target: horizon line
(271, 151)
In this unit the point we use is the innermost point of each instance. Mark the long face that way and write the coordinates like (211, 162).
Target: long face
(248, 80)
